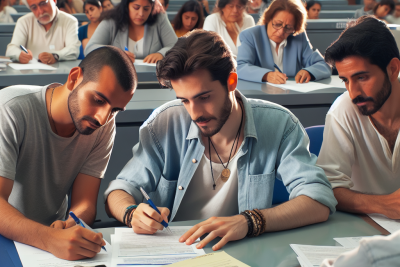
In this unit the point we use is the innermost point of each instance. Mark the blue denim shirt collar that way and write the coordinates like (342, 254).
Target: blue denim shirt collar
(249, 127)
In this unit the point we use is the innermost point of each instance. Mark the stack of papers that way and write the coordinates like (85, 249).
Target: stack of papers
(3, 62)
(390, 225)
(302, 87)
(159, 249)
(313, 256)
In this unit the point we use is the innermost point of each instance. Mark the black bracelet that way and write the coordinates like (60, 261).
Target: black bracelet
(127, 211)
(249, 223)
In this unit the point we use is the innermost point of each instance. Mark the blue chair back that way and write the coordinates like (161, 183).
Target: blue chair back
(315, 133)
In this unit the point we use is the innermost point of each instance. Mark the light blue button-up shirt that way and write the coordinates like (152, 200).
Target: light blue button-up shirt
(275, 146)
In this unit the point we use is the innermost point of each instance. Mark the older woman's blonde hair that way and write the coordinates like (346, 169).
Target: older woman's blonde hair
(294, 7)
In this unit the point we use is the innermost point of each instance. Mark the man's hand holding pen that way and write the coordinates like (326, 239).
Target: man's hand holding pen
(146, 220)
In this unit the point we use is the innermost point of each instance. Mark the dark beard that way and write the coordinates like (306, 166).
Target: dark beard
(379, 100)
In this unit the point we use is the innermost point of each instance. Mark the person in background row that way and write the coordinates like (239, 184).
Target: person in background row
(395, 18)
(107, 5)
(263, 7)
(49, 34)
(189, 17)
(93, 10)
(367, 9)
(205, 6)
(253, 7)
(66, 6)
(228, 20)
(383, 8)
(165, 4)
(280, 39)
(313, 8)
(360, 149)
(5, 12)
(138, 25)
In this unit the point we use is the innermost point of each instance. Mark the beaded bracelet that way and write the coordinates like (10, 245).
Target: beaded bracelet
(249, 223)
(128, 211)
(255, 221)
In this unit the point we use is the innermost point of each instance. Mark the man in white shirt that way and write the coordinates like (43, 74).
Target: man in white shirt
(5, 12)
(395, 17)
(376, 251)
(49, 34)
(360, 152)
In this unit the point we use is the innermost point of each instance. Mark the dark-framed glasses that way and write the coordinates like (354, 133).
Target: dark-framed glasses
(286, 29)
(41, 5)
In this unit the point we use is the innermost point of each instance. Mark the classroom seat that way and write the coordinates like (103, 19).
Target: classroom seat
(315, 133)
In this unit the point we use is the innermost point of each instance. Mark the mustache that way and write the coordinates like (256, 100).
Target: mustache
(90, 119)
(360, 99)
(203, 119)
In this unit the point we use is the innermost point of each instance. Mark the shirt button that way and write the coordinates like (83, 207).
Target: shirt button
(194, 160)
(180, 187)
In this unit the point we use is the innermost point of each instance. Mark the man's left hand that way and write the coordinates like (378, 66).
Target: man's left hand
(228, 228)
(47, 58)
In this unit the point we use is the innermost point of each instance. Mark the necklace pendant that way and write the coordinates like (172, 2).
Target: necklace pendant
(226, 173)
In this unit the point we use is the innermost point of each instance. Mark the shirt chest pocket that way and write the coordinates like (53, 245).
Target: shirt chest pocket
(165, 193)
(260, 190)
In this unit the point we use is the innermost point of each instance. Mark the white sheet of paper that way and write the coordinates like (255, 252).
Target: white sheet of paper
(301, 262)
(34, 257)
(302, 87)
(349, 242)
(389, 224)
(32, 65)
(161, 248)
(139, 62)
(315, 255)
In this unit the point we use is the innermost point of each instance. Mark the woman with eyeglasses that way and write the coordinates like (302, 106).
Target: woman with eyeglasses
(137, 26)
(228, 21)
(278, 48)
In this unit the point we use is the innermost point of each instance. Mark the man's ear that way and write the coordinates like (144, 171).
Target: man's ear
(393, 69)
(232, 81)
(75, 77)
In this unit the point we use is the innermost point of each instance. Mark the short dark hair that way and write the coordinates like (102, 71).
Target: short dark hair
(95, 3)
(120, 14)
(197, 50)
(366, 37)
(389, 3)
(166, 2)
(116, 59)
(189, 6)
(310, 3)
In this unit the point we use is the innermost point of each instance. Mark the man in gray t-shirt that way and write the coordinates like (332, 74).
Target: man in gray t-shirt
(57, 137)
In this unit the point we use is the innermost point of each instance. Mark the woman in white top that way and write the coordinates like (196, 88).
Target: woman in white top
(228, 21)
(6, 11)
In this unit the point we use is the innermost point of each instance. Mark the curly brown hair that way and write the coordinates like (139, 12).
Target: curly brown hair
(294, 7)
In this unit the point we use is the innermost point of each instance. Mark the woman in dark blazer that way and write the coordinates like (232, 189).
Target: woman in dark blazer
(134, 25)
(279, 48)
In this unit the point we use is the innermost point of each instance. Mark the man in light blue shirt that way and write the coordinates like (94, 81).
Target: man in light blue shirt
(214, 154)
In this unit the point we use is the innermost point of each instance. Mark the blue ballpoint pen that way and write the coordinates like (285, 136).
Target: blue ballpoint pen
(77, 221)
(23, 49)
(276, 66)
(126, 49)
(155, 208)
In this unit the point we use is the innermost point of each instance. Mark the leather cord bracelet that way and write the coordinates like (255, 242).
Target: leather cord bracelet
(128, 213)
(255, 222)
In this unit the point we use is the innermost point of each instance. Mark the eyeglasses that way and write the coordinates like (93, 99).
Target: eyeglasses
(41, 5)
(238, 7)
(286, 29)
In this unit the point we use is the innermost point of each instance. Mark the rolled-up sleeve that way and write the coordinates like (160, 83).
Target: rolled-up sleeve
(336, 157)
(313, 62)
(297, 169)
(144, 169)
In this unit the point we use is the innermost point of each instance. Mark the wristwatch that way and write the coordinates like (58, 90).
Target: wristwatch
(56, 57)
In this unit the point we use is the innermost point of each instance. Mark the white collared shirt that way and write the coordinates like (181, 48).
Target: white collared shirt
(278, 58)
(61, 38)
(354, 154)
(215, 23)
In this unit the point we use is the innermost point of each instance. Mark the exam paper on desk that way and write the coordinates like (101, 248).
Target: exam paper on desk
(302, 87)
(139, 62)
(389, 224)
(313, 256)
(160, 249)
(349, 242)
(32, 65)
(34, 257)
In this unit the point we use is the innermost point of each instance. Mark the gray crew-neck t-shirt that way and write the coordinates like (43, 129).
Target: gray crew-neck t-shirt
(42, 164)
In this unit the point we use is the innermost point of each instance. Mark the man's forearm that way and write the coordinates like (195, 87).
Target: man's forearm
(297, 212)
(84, 211)
(15, 226)
(351, 201)
(117, 202)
